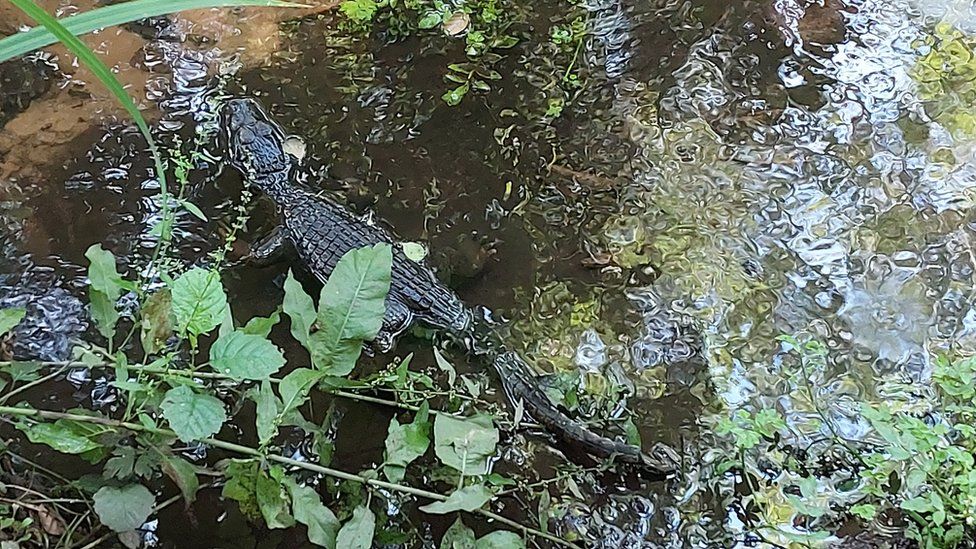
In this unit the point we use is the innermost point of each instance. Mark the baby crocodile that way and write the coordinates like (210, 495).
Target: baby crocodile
(322, 231)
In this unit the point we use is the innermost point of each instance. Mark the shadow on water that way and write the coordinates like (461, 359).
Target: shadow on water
(728, 172)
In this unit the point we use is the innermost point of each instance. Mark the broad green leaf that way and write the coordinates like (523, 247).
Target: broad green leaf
(405, 443)
(322, 524)
(198, 301)
(124, 509)
(262, 325)
(193, 209)
(245, 356)
(358, 532)
(458, 536)
(10, 318)
(468, 498)
(295, 386)
(192, 416)
(500, 539)
(102, 273)
(351, 308)
(272, 500)
(156, 320)
(465, 444)
(184, 475)
(920, 504)
(267, 412)
(865, 510)
(103, 312)
(109, 16)
(64, 436)
(300, 309)
(23, 371)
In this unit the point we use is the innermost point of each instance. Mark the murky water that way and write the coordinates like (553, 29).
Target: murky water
(729, 172)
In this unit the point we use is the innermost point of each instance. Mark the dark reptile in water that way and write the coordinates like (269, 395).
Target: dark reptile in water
(322, 231)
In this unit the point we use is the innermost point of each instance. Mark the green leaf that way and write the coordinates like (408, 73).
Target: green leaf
(267, 413)
(10, 317)
(102, 273)
(446, 366)
(300, 309)
(468, 498)
(454, 97)
(351, 308)
(262, 325)
(295, 386)
(241, 484)
(500, 539)
(64, 436)
(864, 510)
(322, 524)
(103, 313)
(458, 536)
(156, 320)
(465, 444)
(430, 20)
(23, 371)
(109, 16)
(405, 443)
(414, 251)
(245, 356)
(358, 532)
(192, 416)
(271, 499)
(193, 209)
(184, 475)
(124, 509)
(918, 504)
(198, 301)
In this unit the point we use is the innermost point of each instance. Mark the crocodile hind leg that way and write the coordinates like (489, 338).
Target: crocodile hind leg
(269, 250)
(398, 319)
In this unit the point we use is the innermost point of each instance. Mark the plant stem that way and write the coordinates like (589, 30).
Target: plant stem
(36, 382)
(248, 451)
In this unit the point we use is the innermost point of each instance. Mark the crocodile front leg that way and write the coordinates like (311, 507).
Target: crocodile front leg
(398, 319)
(269, 250)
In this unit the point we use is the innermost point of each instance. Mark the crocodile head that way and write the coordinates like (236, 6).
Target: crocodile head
(254, 142)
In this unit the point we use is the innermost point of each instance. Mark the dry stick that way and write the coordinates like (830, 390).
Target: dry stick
(248, 451)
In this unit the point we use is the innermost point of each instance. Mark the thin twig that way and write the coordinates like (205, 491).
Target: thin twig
(34, 383)
(248, 451)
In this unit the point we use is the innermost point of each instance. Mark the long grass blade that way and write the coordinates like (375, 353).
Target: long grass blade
(117, 14)
(105, 76)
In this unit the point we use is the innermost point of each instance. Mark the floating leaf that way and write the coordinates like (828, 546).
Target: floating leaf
(405, 443)
(358, 532)
(468, 498)
(192, 416)
(198, 301)
(351, 308)
(465, 444)
(323, 526)
(124, 509)
(454, 97)
(10, 317)
(300, 309)
(414, 251)
(245, 356)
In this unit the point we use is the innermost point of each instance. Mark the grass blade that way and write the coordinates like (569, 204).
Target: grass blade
(104, 74)
(117, 14)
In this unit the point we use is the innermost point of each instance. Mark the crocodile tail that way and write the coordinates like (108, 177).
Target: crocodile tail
(521, 385)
